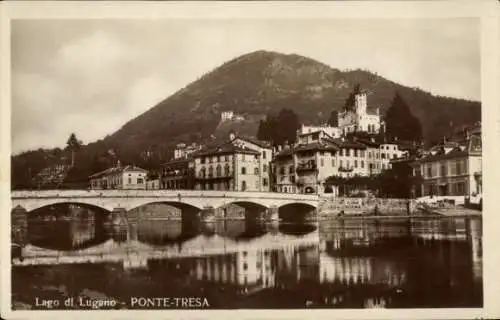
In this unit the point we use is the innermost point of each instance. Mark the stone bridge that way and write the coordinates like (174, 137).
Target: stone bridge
(185, 200)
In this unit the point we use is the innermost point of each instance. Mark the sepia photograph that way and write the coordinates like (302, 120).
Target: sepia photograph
(219, 163)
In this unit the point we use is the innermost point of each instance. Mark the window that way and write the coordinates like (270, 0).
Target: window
(333, 162)
(264, 182)
(382, 155)
(218, 171)
(243, 185)
(243, 170)
(245, 266)
(355, 152)
(348, 152)
(362, 153)
(444, 172)
(347, 164)
(362, 164)
(341, 152)
(292, 179)
(129, 180)
(243, 157)
(256, 171)
(140, 181)
(264, 168)
(340, 163)
(264, 155)
(209, 159)
(218, 158)
(322, 162)
(321, 153)
(256, 157)
(202, 160)
(355, 163)
(282, 170)
(290, 170)
(429, 171)
(210, 172)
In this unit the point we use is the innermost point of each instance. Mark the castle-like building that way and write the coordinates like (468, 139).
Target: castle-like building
(357, 118)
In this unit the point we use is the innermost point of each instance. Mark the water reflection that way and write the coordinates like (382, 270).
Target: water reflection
(350, 263)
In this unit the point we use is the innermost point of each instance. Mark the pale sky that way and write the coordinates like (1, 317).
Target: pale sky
(92, 76)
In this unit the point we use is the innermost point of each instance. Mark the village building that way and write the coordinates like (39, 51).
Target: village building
(231, 166)
(451, 169)
(182, 150)
(119, 177)
(178, 174)
(333, 132)
(266, 156)
(359, 118)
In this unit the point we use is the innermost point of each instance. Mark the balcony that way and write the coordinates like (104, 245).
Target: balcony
(222, 176)
(343, 169)
(304, 167)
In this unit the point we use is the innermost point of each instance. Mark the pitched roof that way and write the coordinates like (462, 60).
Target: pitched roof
(115, 170)
(347, 143)
(262, 144)
(226, 148)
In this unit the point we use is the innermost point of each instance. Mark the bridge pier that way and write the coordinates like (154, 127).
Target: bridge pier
(208, 214)
(272, 214)
(118, 216)
(19, 225)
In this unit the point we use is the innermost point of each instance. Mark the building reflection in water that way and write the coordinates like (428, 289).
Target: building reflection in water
(342, 263)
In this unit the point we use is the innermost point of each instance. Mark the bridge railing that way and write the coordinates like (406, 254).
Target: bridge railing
(91, 193)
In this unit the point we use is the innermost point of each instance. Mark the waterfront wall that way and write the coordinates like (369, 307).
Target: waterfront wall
(377, 206)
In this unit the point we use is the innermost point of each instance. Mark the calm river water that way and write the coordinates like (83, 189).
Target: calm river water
(350, 263)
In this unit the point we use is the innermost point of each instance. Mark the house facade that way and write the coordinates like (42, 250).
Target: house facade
(265, 158)
(119, 177)
(178, 174)
(228, 167)
(451, 169)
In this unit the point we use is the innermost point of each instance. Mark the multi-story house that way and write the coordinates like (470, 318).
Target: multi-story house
(452, 169)
(119, 177)
(265, 159)
(178, 174)
(228, 167)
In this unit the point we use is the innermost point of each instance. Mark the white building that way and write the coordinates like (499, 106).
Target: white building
(266, 157)
(119, 177)
(452, 169)
(358, 118)
(182, 150)
(333, 132)
(227, 115)
(231, 166)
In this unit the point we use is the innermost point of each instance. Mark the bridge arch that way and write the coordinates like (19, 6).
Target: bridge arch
(296, 211)
(33, 207)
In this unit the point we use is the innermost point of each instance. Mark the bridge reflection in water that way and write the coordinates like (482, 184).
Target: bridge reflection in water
(246, 264)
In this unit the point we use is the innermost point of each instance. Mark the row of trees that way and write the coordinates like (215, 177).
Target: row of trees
(387, 184)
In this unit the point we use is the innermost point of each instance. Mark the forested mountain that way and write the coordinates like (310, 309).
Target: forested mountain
(256, 85)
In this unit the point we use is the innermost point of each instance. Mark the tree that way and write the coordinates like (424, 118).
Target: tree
(351, 99)
(73, 144)
(280, 128)
(400, 122)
